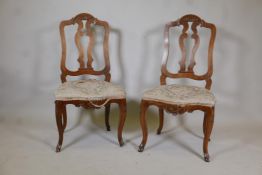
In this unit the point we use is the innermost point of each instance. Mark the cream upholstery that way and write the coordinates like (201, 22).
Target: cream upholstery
(181, 95)
(88, 90)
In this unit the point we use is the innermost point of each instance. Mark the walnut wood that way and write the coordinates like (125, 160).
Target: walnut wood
(60, 106)
(84, 69)
(161, 121)
(184, 72)
(122, 106)
(143, 107)
(107, 112)
(64, 115)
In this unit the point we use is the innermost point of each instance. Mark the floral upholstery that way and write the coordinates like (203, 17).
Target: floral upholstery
(88, 90)
(180, 95)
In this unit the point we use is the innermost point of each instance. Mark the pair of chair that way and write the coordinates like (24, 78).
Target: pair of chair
(173, 98)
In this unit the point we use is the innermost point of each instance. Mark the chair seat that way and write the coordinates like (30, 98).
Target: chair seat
(180, 95)
(88, 90)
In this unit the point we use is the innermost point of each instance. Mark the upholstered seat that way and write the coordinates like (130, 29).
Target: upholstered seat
(180, 95)
(88, 90)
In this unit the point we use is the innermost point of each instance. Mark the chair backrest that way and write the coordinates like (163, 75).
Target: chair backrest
(188, 71)
(85, 22)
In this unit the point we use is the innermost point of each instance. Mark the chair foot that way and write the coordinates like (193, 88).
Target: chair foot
(206, 157)
(121, 143)
(141, 148)
(158, 132)
(108, 128)
(58, 148)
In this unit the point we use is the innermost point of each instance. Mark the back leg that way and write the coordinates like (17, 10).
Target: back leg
(161, 120)
(107, 112)
(64, 123)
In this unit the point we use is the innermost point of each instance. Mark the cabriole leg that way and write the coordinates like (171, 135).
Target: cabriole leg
(209, 117)
(122, 106)
(59, 113)
(143, 108)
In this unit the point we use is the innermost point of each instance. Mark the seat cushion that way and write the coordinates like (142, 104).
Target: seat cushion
(180, 95)
(88, 90)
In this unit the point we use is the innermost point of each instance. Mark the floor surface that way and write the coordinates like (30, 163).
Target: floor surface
(28, 140)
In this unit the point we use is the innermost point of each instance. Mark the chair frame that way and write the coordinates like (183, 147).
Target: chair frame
(60, 105)
(184, 73)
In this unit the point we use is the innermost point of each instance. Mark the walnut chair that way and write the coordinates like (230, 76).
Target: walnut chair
(178, 99)
(88, 93)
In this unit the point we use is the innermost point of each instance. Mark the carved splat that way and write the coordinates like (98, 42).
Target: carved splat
(79, 45)
(195, 47)
(182, 38)
(89, 27)
(184, 21)
(85, 24)
(188, 71)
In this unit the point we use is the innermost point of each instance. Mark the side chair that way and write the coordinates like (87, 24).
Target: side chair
(87, 93)
(177, 98)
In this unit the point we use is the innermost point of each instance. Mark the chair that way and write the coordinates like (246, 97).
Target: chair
(87, 93)
(178, 99)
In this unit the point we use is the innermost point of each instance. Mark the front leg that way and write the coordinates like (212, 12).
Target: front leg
(60, 127)
(143, 108)
(209, 117)
(122, 106)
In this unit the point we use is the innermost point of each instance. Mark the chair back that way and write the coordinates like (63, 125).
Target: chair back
(85, 22)
(188, 22)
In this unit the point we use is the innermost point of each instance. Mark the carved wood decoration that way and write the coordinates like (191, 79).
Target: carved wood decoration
(85, 29)
(188, 72)
(184, 72)
(85, 23)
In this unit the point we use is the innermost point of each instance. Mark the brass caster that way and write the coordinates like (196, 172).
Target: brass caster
(58, 148)
(206, 157)
(141, 148)
(121, 143)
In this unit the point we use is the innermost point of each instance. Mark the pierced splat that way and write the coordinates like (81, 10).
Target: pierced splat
(80, 32)
(182, 38)
(85, 24)
(189, 22)
(184, 21)
(85, 30)
(195, 47)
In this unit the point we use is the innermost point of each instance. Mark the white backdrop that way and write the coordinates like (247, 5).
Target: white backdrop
(29, 73)
(30, 49)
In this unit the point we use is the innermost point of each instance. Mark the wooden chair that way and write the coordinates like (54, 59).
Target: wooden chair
(89, 93)
(179, 99)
